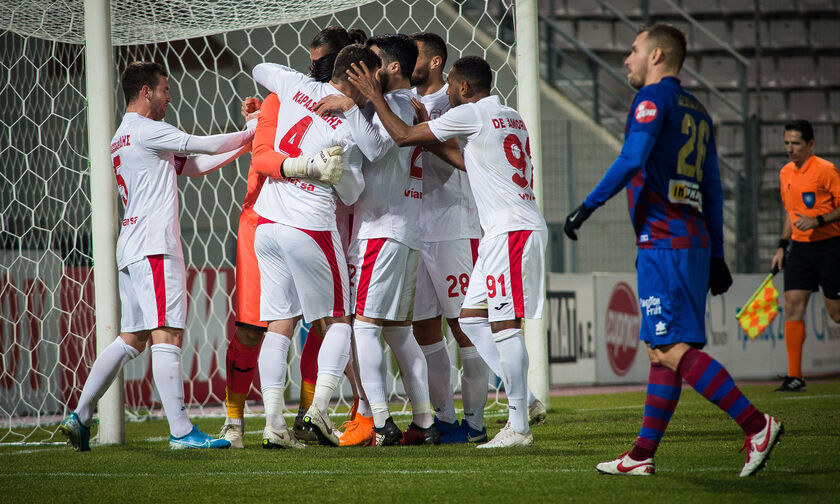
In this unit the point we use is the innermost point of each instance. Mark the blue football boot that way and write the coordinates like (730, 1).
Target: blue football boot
(78, 434)
(196, 439)
(450, 432)
(473, 435)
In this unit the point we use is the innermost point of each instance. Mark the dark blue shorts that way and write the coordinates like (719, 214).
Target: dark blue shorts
(672, 287)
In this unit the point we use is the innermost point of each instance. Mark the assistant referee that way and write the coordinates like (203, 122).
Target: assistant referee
(810, 188)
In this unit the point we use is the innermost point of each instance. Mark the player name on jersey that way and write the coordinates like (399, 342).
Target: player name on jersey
(122, 141)
(509, 122)
(309, 104)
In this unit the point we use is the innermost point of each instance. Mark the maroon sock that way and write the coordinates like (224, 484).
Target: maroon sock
(663, 395)
(711, 380)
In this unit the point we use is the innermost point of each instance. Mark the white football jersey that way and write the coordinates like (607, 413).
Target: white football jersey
(143, 156)
(447, 211)
(496, 154)
(303, 203)
(390, 204)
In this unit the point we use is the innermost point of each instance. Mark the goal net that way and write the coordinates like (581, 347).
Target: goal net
(47, 312)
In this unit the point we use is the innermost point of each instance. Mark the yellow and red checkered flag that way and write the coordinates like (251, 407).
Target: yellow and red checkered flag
(761, 309)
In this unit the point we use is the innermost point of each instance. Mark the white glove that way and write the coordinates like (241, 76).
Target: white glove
(326, 166)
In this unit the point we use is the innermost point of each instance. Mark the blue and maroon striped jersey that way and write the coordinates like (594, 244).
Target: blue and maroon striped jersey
(669, 166)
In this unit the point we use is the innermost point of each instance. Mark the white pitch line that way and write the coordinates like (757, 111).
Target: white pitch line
(801, 397)
(356, 472)
(634, 406)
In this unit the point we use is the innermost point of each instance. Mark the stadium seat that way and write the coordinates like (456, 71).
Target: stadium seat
(796, 71)
(700, 41)
(722, 71)
(701, 6)
(769, 76)
(743, 33)
(630, 8)
(825, 139)
(808, 104)
(828, 68)
(722, 112)
(834, 102)
(825, 33)
(735, 6)
(568, 26)
(816, 5)
(686, 78)
(773, 105)
(595, 34)
(730, 139)
(772, 139)
(583, 8)
(624, 35)
(776, 6)
(660, 7)
(788, 33)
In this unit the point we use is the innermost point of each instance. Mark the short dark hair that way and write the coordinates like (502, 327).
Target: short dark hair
(399, 48)
(803, 127)
(476, 71)
(433, 44)
(139, 74)
(670, 39)
(333, 39)
(354, 53)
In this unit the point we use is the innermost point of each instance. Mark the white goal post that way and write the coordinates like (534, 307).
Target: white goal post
(57, 262)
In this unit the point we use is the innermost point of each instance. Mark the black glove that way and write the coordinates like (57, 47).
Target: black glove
(575, 219)
(719, 277)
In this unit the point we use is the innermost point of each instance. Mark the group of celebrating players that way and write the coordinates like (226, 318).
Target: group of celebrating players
(374, 208)
(359, 218)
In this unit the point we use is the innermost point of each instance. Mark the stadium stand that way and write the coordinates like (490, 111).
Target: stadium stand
(793, 72)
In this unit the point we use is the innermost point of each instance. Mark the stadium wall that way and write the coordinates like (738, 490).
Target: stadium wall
(594, 323)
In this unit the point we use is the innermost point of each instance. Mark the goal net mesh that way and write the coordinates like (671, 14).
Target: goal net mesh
(47, 313)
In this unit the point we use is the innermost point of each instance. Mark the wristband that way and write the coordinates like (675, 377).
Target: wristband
(820, 221)
(783, 244)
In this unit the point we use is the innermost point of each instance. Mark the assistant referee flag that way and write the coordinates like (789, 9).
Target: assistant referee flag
(761, 309)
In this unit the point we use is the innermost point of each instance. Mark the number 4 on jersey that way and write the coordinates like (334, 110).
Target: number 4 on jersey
(290, 143)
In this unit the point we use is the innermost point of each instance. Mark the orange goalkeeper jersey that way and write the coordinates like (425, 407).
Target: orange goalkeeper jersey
(811, 190)
(263, 153)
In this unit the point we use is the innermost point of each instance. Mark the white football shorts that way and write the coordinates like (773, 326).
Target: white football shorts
(302, 272)
(153, 293)
(443, 275)
(383, 273)
(509, 276)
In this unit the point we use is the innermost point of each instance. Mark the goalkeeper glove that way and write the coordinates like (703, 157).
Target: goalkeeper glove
(575, 219)
(326, 166)
(719, 277)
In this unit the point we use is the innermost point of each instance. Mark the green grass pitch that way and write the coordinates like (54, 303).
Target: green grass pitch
(698, 461)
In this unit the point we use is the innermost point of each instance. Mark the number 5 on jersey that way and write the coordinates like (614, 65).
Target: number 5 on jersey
(121, 187)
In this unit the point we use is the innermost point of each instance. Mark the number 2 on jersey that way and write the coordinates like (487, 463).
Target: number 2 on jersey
(698, 138)
(515, 155)
(290, 143)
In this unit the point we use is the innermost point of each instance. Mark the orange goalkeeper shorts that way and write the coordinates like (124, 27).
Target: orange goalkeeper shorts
(247, 301)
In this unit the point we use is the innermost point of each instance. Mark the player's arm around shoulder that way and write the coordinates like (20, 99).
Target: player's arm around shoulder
(403, 134)
(264, 159)
(276, 77)
(351, 184)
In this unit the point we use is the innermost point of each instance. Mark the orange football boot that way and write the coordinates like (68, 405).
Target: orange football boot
(357, 432)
